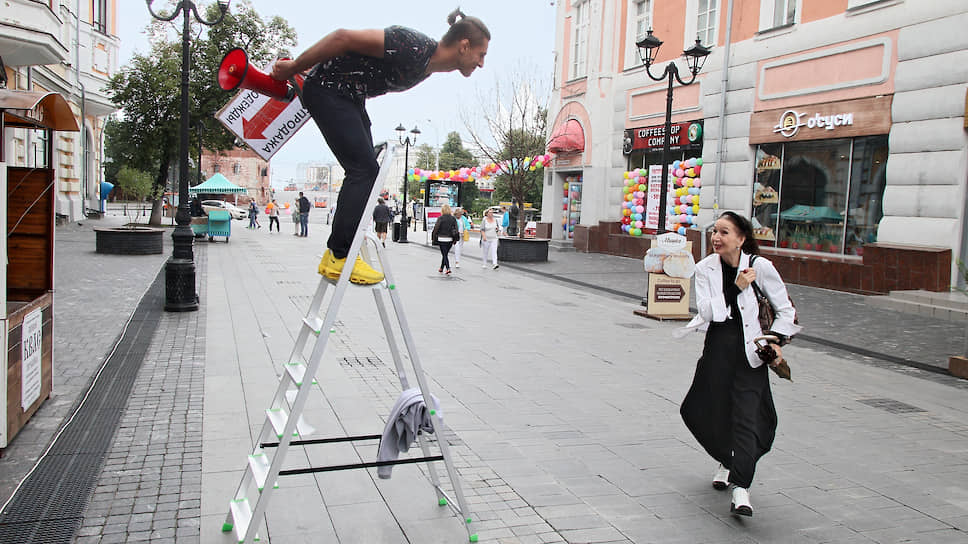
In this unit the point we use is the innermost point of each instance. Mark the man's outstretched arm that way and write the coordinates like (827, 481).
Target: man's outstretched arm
(336, 43)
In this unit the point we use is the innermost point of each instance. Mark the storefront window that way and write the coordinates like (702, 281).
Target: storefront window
(867, 179)
(822, 195)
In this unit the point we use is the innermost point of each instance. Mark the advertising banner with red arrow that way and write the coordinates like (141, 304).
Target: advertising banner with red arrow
(263, 123)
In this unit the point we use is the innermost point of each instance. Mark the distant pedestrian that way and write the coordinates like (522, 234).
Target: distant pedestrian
(304, 207)
(416, 207)
(464, 228)
(272, 209)
(444, 234)
(729, 407)
(490, 229)
(382, 216)
(253, 213)
(294, 210)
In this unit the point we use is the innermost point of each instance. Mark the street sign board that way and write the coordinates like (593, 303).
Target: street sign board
(263, 123)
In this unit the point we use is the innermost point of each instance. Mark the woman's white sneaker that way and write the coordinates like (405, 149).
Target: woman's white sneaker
(741, 502)
(721, 478)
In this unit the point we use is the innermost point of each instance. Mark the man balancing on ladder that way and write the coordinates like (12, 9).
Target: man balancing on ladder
(349, 66)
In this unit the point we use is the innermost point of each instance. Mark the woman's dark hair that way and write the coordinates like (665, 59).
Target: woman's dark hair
(750, 245)
(471, 28)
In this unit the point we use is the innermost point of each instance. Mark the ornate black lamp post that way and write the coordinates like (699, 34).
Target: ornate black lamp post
(696, 57)
(180, 293)
(406, 141)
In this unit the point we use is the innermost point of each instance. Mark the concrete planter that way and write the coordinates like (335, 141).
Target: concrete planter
(129, 241)
(522, 250)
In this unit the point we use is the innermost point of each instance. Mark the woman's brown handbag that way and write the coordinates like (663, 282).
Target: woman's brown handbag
(767, 313)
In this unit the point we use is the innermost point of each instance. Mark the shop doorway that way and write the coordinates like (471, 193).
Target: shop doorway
(571, 205)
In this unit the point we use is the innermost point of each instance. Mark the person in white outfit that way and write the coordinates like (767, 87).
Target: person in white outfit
(489, 233)
(464, 228)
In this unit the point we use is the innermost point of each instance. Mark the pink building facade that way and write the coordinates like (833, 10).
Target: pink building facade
(243, 168)
(839, 126)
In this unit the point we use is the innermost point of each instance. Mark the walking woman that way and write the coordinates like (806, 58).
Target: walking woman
(464, 230)
(444, 234)
(273, 210)
(729, 408)
(489, 231)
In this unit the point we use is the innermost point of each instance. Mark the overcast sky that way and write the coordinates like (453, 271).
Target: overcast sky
(521, 31)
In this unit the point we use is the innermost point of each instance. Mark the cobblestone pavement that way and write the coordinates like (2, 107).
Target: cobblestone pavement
(832, 320)
(94, 296)
(150, 487)
(562, 404)
(564, 412)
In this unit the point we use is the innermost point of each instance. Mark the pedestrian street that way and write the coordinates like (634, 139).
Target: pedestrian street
(564, 412)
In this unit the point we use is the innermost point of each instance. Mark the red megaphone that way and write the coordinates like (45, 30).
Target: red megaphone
(235, 71)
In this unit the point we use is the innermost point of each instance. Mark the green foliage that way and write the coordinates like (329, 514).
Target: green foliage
(148, 89)
(515, 117)
(135, 183)
(424, 157)
(469, 194)
(453, 156)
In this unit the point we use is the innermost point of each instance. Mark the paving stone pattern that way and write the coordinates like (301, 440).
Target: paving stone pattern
(563, 407)
(94, 296)
(150, 487)
(564, 411)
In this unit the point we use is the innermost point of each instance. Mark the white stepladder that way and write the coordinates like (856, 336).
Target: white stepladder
(284, 419)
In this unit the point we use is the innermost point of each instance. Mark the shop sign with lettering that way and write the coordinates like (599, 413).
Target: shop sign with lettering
(31, 348)
(843, 119)
(683, 136)
(792, 120)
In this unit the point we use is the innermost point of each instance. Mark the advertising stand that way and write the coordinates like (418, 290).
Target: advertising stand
(668, 295)
(436, 195)
(28, 251)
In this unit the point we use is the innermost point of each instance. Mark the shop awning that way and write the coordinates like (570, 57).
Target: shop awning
(569, 137)
(216, 185)
(36, 109)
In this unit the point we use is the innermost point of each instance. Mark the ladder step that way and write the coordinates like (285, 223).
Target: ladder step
(278, 418)
(241, 516)
(259, 465)
(315, 324)
(304, 429)
(297, 372)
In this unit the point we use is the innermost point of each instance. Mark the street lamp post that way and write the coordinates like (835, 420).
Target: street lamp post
(405, 141)
(695, 56)
(200, 126)
(180, 293)
(329, 187)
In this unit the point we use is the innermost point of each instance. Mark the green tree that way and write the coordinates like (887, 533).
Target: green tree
(453, 156)
(424, 157)
(147, 91)
(137, 185)
(515, 120)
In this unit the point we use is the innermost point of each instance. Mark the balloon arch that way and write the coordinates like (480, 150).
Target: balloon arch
(475, 173)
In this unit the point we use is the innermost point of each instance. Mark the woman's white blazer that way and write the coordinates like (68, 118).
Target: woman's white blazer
(711, 302)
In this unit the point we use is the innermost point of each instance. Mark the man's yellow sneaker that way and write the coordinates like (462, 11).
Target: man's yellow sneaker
(363, 274)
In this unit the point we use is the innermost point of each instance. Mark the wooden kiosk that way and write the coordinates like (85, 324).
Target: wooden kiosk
(27, 323)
